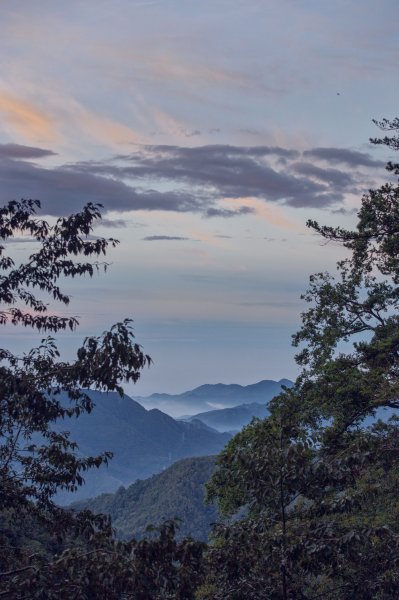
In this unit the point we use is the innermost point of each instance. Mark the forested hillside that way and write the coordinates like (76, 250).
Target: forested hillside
(178, 492)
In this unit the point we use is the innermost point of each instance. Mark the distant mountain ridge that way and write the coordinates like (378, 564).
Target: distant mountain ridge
(215, 396)
(143, 442)
(231, 419)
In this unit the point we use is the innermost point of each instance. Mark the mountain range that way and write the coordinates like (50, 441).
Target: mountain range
(231, 419)
(210, 397)
(143, 442)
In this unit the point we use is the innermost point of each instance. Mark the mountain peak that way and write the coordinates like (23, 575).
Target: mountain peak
(209, 396)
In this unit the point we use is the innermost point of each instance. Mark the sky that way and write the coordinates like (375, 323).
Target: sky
(210, 132)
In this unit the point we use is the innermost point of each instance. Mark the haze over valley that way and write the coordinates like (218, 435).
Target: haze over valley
(144, 440)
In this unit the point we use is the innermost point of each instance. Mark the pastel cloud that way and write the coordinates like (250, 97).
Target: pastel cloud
(272, 214)
(169, 67)
(55, 117)
(104, 129)
(24, 119)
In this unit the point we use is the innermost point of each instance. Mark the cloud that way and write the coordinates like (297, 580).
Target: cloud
(101, 127)
(277, 304)
(66, 189)
(344, 156)
(116, 223)
(250, 131)
(192, 133)
(119, 223)
(233, 171)
(26, 119)
(21, 152)
(228, 212)
(345, 211)
(272, 214)
(168, 68)
(336, 178)
(19, 240)
(162, 238)
(186, 179)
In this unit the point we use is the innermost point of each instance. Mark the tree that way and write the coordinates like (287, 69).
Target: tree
(308, 521)
(156, 568)
(35, 461)
(313, 488)
(46, 551)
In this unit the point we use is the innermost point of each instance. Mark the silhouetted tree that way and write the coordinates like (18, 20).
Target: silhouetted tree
(314, 487)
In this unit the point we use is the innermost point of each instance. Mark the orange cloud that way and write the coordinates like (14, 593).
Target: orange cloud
(168, 67)
(166, 123)
(25, 119)
(107, 130)
(272, 214)
(78, 120)
(66, 118)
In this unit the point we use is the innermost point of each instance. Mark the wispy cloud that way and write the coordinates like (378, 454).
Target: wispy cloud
(351, 158)
(169, 67)
(19, 151)
(25, 119)
(116, 223)
(334, 177)
(229, 212)
(167, 238)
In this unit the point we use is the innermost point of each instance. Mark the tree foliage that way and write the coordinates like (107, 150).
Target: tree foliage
(97, 567)
(313, 488)
(35, 461)
(49, 552)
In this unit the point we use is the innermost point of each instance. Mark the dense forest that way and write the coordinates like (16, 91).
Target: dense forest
(308, 494)
(175, 493)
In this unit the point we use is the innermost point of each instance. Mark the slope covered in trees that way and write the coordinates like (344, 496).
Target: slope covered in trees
(178, 492)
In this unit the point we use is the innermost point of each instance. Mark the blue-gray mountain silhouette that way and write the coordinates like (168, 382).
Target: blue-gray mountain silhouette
(143, 442)
(215, 396)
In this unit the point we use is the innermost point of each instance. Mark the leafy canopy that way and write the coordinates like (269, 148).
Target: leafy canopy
(34, 460)
(313, 488)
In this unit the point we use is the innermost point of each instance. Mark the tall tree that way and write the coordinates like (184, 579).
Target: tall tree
(312, 488)
(35, 460)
